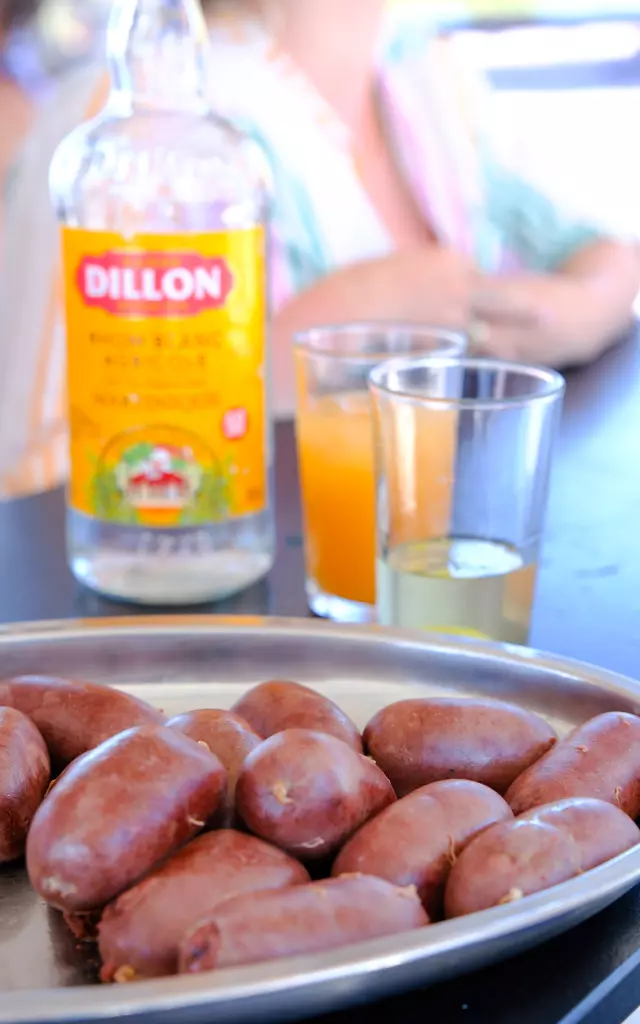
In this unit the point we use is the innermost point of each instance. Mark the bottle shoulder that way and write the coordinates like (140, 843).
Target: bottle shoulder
(193, 157)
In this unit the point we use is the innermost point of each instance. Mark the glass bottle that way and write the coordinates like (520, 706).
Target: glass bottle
(163, 207)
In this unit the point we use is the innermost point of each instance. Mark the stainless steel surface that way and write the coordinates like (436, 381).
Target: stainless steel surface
(189, 662)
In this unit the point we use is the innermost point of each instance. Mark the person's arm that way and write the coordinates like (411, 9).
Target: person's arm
(579, 279)
(426, 285)
(576, 295)
(564, 317)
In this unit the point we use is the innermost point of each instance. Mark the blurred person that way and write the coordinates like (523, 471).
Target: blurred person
(393, 198)
(33, 413)
(16, 111)
(390, 202)
(16, 108)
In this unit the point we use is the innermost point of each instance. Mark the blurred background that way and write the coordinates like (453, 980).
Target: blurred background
(554, 63)
(530, 32)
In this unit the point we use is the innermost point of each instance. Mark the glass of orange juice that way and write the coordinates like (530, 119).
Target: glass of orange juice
(334, 430)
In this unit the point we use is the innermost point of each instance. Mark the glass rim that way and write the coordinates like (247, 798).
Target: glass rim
(314, 341)
(554, 384)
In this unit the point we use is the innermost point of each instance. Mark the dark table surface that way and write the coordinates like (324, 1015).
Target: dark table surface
(588, 607)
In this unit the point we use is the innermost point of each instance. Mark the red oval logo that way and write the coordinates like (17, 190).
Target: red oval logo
(154, 284)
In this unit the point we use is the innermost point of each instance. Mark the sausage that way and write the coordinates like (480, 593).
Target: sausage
(416, 742)
(541, 848)
(74, 716)
(140, 932)
(255, 927)
(117, 812)
(229, 737)
(307, 792)
(599, 759)
(25, 773)
(508, 862)
(275, 706)
(600, 831)
(415, 841)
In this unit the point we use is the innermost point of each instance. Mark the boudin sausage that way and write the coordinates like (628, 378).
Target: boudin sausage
(24, 780)
(305, 919)
(140, 932)
(599, 759)
(118, 811)
(416, 840)
(278, 705)
(227, 736)
(307, 792)
(541, 848)
(420, 741)
(74, 716)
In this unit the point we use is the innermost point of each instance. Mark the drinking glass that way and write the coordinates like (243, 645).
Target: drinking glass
(335, 450)
(467, 566)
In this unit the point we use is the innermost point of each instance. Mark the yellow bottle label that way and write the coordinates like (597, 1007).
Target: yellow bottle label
(166, 374)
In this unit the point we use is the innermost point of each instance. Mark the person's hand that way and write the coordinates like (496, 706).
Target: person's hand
(560, 319)
(508, 314)
(548, 319)
(427, 284)
(434, 285)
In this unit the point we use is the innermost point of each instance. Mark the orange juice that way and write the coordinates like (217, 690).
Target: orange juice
(336, 454)
(335, 444)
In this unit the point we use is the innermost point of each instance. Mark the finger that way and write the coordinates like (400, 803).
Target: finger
(506, 342)
(505, 304)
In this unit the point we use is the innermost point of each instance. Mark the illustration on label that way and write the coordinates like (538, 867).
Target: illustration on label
(166, 352)
(158, 478)
(174, 481)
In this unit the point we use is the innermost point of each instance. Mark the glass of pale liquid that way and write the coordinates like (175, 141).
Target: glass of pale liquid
(466, 564)
(334, 428)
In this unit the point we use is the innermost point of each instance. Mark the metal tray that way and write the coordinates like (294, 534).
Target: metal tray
(185, 663)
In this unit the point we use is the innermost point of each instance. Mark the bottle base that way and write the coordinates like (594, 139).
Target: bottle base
(181, 580)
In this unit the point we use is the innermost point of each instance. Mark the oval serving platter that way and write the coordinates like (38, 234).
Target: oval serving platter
(186, 662)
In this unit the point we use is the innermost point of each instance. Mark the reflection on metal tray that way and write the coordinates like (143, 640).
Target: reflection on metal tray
(188, 662)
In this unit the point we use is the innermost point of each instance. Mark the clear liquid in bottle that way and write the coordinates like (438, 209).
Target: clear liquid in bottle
(163, 208)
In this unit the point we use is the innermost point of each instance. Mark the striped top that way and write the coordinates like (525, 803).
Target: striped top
(435, 115)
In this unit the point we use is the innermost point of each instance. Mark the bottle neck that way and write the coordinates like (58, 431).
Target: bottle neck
(158, 54)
